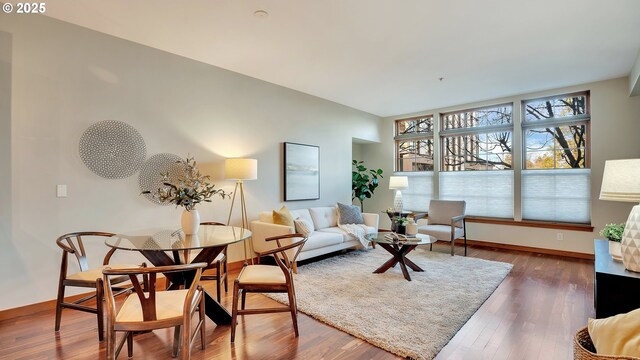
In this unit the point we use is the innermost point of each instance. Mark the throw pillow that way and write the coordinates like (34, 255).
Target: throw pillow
(303, 226)
(283, 217)
(617, 335)
(349, 214)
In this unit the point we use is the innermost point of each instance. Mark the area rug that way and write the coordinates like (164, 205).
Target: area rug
(413, 319)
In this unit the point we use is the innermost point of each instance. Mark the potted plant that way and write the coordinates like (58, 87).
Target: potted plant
(363, 182)
(613, 232)
(400, 224)
(188, 190)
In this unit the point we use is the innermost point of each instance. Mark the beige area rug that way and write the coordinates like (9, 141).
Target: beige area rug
(413, 319)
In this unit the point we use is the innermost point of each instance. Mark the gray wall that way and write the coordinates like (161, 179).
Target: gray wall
(65, 78)
(5, 152)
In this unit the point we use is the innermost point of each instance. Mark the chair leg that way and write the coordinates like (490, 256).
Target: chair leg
(59, 302)
(292, 306)
(226, 277)
(465, 244)
(453, 247)
(176, 341)
(111, 343)
(218, 275)
(244, 299)
(202, 322)
(100, 307)
(186, 338)
(295, 267)
(234, 311)
(431, 247)
(130, 344)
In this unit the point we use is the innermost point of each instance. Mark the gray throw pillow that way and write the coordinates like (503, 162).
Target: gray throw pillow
(349, 214)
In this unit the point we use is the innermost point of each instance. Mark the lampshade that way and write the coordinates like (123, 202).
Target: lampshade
(398, 182)
(241, 169)
(621, 180)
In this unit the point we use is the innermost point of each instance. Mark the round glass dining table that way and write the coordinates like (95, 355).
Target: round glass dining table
(210, 241)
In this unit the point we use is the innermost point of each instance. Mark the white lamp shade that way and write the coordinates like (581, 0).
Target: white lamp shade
(621, 180)
(398, 182)
(241, 169)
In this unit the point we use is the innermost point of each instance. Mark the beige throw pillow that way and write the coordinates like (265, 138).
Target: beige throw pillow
(283, 217)
(303, 226)
(617, 335)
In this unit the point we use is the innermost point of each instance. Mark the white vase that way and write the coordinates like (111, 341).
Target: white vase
(190, 221)
(615, 250)
(630, 243)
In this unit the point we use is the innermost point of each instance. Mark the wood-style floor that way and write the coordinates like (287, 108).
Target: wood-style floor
(533, 314)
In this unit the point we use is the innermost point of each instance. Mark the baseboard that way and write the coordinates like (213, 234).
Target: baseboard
(488, 244)
(51, 304)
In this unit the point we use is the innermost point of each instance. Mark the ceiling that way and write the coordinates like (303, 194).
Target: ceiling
(385, 57)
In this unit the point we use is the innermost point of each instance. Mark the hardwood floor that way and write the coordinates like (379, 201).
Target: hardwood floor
(533, 314)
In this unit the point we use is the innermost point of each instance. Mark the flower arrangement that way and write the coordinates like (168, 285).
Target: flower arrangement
(613, 232)
(401, 220)
(190, 189)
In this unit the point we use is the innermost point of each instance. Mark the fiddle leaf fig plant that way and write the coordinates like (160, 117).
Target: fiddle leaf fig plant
(364, 182)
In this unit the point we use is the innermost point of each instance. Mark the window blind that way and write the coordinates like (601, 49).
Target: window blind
(487, 193)
(562, 195)
(420, 191)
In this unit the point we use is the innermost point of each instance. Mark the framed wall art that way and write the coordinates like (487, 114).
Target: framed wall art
(301, 172)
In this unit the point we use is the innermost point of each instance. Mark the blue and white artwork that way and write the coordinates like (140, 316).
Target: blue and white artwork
(301, 172)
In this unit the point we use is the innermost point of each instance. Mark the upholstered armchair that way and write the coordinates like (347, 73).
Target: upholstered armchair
(446, 222)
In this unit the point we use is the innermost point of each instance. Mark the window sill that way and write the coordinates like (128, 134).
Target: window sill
(530, 223)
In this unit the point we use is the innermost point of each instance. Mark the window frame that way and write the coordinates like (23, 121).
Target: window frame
(582, 119)
(415, 136)
(480, 130)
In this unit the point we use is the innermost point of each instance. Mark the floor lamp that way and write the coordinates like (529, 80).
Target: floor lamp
(240, 170)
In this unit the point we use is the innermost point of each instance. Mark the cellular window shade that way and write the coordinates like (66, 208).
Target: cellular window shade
(487, 193)
(562, 195)
(417, 195)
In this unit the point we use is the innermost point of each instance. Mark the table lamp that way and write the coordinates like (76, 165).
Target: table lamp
(240, 170)
(398, 183)
(621, 182)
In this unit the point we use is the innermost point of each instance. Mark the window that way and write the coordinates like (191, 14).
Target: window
(414, 144)
(556, 177)
(477, 151)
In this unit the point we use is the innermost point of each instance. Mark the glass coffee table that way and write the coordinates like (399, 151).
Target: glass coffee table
(399, 249)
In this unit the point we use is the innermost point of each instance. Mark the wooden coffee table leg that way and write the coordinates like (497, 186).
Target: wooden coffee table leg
(408, 262)
(399, 257)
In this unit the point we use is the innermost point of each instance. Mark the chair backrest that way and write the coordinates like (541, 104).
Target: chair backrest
(441, 211)
(147, 292)
(286, 254)
(72, 244)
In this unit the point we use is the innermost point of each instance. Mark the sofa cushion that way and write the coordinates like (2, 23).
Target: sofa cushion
(345, 236)
(440, 232)
(283, 217)
(266, 216)
(324, 217)
(321, 239)
(302, 214)
(349, 214)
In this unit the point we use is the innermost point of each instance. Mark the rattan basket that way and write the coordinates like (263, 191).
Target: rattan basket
(583, 348)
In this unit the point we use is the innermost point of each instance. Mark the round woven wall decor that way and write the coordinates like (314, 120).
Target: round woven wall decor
(150, 177)
(112, 149)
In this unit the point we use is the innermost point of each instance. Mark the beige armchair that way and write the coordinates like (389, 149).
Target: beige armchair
(446, 222)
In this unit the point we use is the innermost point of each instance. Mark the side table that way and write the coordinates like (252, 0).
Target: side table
(616, 289)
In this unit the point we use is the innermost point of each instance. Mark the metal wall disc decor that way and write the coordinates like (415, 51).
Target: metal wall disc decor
(112, 149)
(150, 177)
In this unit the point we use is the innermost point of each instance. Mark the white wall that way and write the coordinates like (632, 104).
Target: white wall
(615, 125)
(65, 78)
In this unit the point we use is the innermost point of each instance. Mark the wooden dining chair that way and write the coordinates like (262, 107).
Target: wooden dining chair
(269, 279)
(219, 264)
(148, 309)
(72, 244)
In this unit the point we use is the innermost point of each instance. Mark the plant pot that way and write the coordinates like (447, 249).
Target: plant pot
(401, 229)
(615, 250)
(190, 222)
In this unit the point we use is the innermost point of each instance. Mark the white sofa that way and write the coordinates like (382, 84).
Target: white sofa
(326, 238)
